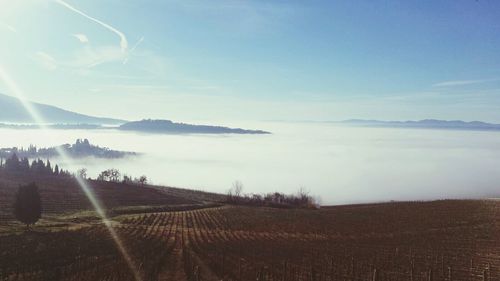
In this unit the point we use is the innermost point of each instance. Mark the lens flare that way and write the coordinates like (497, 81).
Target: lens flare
(38, 119)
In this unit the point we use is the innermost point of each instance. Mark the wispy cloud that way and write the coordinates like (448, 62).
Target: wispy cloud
(123, 38)
(91, 57)
(46, 60)
(8, 27)
(81, 37)
(463, 82)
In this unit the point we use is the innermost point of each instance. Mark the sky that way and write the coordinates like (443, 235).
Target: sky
(203, 61)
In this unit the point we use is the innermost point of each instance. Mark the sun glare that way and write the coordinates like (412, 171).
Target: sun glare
(38, 119)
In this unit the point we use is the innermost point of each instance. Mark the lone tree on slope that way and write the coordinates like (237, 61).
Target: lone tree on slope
(28, 206)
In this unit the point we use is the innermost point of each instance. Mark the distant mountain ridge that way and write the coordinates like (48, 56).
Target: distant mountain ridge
(426, 123)
(12, 110)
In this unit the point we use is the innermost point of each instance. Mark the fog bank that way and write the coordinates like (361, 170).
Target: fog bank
(339, 164)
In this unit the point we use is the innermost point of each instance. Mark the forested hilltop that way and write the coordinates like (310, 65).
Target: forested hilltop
(81, 148)
(169, 127)
(22, 166)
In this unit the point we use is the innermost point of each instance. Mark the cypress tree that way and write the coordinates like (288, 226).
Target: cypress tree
(48, 168)
(24, 165)
(34, 166)
(12, 163)
(27, 204)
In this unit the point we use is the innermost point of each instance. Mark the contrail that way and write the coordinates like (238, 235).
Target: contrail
(137, 44)
(133, 49)
(123, 39)
(12, 86)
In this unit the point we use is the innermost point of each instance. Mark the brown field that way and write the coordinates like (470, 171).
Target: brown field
(440, 240)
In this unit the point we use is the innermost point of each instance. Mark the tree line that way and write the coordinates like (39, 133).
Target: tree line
(23, 166)
(81, 148)
(302, 199)
(15, 165)
(114, 175)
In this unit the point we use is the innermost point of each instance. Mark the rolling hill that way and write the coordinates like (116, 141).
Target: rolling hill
(169, 127)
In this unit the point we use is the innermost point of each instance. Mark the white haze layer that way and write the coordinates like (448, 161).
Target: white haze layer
(339, 164)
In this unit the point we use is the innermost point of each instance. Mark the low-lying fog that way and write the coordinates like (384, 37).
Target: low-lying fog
(339, 164)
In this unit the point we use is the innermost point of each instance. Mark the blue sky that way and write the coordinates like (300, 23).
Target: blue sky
(257, 60)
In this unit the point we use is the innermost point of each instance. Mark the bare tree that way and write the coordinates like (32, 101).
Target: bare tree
(82, 173)
(303, 194)
(234, 193)
(114, 175)
(104, 175)
(143, 180)
(127, 179)
(237, 188)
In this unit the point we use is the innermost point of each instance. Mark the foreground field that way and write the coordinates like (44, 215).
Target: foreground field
(442, 240)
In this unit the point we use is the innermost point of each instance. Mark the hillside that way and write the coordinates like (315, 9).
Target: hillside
(11, 110)
(62, 195)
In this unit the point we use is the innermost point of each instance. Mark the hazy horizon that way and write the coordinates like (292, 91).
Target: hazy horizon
(233, 123)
